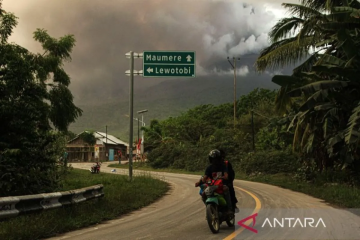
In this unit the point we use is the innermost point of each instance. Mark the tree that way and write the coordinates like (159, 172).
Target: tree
(89, 138)
(34, 103)
(308, 29)
(184, 141)
(326, 84)
(70, 135)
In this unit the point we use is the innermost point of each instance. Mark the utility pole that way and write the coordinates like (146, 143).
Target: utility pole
(137, 142)
(252, 128)
(234, 91)
(131, 73)
(252, 122)
(234, 68)
(142, 131)
(138, 130)
(107, 158)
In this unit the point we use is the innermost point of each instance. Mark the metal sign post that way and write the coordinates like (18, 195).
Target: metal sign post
(131, 73)
(156, 64)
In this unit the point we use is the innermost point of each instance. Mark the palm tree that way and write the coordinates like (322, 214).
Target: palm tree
(326, 82)
(323, 5)
(292, 37)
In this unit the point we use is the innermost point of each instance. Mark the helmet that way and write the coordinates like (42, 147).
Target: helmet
(214, 156)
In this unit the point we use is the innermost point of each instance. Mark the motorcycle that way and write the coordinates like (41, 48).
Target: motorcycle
(95, 168)
(216, 207)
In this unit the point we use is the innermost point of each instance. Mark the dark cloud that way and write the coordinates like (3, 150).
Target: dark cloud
(106, 30)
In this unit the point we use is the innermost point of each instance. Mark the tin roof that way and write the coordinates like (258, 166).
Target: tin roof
(110, 139)
(104, 138)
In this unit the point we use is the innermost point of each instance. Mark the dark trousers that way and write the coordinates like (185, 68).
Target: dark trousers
(227, 196)
(232, 194)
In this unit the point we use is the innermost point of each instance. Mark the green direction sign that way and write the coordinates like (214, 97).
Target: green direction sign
(169, 70)
(168, 64)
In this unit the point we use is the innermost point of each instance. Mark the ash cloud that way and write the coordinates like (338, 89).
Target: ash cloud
(106, 30)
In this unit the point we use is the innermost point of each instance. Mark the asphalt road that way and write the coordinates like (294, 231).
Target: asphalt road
(181, 215)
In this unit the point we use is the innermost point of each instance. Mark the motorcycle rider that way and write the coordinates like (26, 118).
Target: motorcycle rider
(217, 170)
(96, 167)
(230, 183)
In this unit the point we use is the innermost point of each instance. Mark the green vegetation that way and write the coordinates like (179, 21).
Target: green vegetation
(331, 191)
(307, 131)
(270, 162)
(147, 167)
(177, 96)
(321, 97)
(332, 188)
(121, 197)
(184, 142)
(88, 137)
(305, 136)
(36, 108)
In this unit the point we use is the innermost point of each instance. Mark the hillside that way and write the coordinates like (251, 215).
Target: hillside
(164, 100)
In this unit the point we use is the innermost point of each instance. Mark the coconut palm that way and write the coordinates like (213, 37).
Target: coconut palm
(323, 5)
(326, 82)
(310, 27)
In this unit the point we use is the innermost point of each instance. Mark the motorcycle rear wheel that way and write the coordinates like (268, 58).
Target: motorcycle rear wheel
(212, 218)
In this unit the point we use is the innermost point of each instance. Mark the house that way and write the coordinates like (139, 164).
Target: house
(106, 148)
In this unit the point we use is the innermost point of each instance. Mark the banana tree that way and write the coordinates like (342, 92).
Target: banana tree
(338, 101)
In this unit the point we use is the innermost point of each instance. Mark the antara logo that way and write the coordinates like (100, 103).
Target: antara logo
(292, 222)
(241, 223)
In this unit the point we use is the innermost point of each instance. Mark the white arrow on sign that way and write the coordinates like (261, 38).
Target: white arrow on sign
(150, 70)
(188, 58)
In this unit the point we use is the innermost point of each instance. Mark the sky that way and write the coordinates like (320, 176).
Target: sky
(106, 30)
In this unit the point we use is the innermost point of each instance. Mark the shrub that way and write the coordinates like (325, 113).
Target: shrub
(309, 172)
(269, 162)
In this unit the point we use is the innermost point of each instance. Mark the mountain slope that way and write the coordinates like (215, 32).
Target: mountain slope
(164, 100)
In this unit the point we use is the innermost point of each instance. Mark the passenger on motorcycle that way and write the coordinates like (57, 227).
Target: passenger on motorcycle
(215, 171)
(231, 179)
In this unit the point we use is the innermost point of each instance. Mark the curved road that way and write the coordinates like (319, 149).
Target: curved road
(181, 214)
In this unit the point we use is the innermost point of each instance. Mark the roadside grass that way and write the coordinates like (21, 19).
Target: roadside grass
(146, 167)
(337, 194)
(121, 197)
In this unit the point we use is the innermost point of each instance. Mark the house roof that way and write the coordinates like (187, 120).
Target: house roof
(101, 138)
(110, 139)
